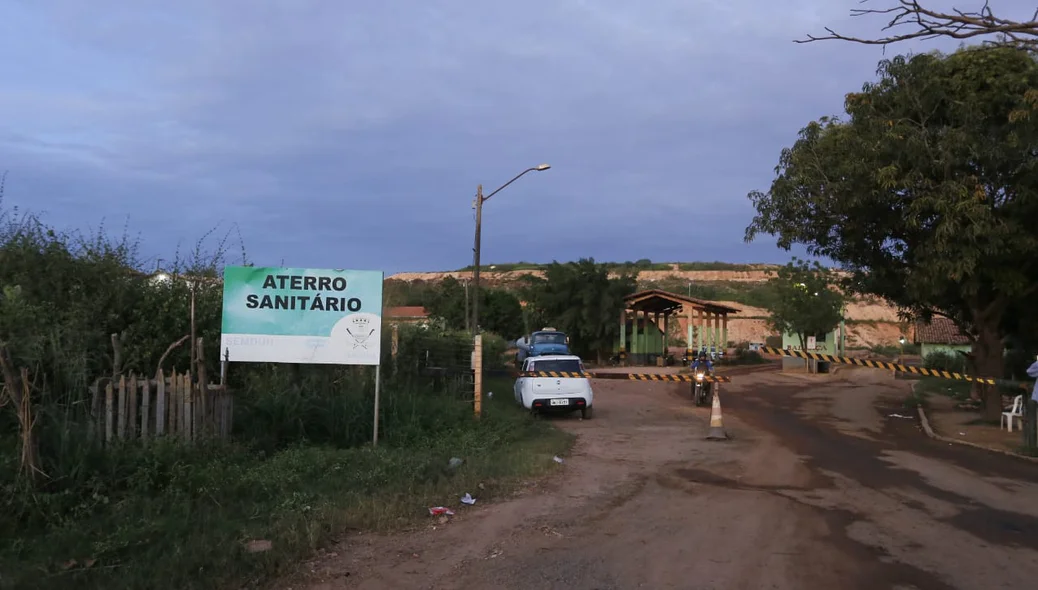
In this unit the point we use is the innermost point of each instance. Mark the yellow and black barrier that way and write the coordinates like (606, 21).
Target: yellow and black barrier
(913, 370)
(560, 374)
(671, 378)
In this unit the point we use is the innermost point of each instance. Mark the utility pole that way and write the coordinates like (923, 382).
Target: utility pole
(477, 359)
(480, 199)
(475, 258)
(468, 314)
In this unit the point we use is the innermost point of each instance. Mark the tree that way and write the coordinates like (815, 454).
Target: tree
(805, 300)
(927, 23)
(500, 310)
(927, 194)
(582, 300)
(528, 289)
(447, 302)
(501, 313)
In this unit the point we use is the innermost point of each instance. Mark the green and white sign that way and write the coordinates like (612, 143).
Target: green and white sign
(302, 315)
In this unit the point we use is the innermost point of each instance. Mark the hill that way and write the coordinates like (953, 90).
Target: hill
(504, 278)
(870, 323)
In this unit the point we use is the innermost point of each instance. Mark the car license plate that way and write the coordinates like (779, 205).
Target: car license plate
(560, 402)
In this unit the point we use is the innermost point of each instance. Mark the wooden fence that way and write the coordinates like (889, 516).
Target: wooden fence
(174, 405)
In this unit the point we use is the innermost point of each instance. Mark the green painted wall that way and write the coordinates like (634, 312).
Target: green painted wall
(828, 346)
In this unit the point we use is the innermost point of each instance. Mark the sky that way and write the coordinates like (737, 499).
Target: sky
(353, 134)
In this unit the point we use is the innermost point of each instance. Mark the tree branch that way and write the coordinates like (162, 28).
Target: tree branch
(162, 358)
(931, 24)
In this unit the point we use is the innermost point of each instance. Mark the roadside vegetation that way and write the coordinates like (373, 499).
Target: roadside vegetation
(960, 391)
(296, 472)
(582, 298)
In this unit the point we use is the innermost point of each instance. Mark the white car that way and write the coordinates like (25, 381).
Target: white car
(554, 394)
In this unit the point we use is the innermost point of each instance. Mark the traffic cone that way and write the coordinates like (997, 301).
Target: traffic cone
(716, 422)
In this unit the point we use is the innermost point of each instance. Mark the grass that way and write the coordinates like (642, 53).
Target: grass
(886, 351)
(180, 518)
(957, 390)
(915, 400)
(1027, 451)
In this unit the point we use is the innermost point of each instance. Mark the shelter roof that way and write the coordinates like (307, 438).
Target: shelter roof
(659, 301)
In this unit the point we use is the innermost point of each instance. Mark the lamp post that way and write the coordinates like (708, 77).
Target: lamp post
(478, 204)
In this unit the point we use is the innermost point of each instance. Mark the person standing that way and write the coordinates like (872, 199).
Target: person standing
(1032, 412)
(1032, 372)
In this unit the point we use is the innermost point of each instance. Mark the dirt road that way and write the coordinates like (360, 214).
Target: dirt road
(820, 488)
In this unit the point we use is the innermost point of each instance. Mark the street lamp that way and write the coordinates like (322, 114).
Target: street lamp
(478, 204)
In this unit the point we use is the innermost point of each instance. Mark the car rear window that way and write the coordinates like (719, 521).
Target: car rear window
(558, 365)
(549, 338)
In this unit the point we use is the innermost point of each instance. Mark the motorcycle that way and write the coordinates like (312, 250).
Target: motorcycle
(700, 388)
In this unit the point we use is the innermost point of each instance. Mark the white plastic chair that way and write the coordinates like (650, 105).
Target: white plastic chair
(1017, 411)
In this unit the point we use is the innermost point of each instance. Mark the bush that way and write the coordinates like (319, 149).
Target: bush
(886, 351)
(744, 356)
(945, 361)
(494, 352)
(62, 298)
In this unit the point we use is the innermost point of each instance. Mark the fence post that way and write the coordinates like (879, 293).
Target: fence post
(203, 390)
(109, 412)
(477, 368)
(225, 397)
(174, 404)
(160, 403)
(226, 360)
(122, 407)
(131, 421)
(145, 408)
(189, 414)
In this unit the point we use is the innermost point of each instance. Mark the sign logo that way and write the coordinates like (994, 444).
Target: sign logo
(360, 331)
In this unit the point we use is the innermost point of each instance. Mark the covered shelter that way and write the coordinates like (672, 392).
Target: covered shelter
(707, 325)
